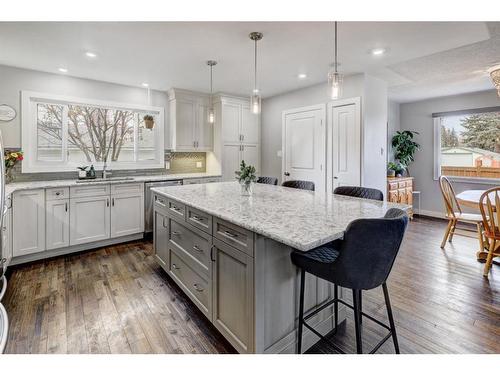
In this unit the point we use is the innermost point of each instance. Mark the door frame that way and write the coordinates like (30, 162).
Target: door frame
(356, 101)
(316, 107)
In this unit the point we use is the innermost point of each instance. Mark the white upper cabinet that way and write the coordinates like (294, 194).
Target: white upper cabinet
(189, 126)
(249, 126)
(28, 222)
(230, 119)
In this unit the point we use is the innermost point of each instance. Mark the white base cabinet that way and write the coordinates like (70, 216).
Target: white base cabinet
(89, 219)
(126, 202)
(28, 222)
(57, 224)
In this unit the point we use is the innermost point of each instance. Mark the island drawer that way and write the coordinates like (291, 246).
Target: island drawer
(195, 286)
(233, 235)
(199, 219)
(176, 209)
(192, 244)
(57, 193)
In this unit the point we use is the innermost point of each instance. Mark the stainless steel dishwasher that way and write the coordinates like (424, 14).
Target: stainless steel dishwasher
(149, 205)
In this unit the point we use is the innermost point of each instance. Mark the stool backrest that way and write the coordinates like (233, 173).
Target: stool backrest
(267, 180)
(450, 201)
(299, 184)
(360, 192)
(369, 249)
(489, 204)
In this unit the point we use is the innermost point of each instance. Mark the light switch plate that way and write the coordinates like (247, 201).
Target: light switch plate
(279, 154)
(167, 165)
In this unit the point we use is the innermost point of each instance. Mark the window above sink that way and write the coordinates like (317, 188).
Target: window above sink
(62, 133)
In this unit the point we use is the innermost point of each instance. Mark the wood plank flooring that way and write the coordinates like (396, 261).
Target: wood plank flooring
(118, 300)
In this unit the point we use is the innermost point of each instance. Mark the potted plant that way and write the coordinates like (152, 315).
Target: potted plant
(149, 121)
(11, 159)
(404, 148)
(246, 177)
(394, 169)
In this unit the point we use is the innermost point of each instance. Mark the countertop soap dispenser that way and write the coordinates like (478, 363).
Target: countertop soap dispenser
(92, 171)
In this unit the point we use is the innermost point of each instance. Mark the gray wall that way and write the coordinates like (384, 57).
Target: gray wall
(393, 125)
(373, 93)
(14, 80)
(417, 116)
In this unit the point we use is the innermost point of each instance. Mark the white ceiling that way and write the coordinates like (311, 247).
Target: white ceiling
(423, 59)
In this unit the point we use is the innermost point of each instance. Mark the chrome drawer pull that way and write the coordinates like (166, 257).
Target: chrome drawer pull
(196, 218)
(175, 233)
(175, 267)
(163, 222)
(230, 234)
(196, 248)
(197, 288)
(176, 209)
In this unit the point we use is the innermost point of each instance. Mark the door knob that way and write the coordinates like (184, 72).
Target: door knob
(287, 174)
(335, 178)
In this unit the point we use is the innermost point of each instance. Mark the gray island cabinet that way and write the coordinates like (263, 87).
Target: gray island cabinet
(230, 255)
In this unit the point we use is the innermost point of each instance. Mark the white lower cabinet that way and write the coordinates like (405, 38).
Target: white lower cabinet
(57, 223)
(28, 222)
(89, 219)
(125, 214)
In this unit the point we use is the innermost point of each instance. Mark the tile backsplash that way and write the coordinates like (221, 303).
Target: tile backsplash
(180, 162)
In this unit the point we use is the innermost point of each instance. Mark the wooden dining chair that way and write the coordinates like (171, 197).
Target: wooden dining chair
(489, 205)
(454, 215)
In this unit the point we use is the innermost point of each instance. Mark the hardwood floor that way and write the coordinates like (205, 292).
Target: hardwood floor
(118, 300)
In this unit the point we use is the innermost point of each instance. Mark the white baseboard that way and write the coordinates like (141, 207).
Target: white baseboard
(436, 214)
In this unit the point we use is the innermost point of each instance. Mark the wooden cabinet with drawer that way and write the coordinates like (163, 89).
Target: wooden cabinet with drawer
(400, 190)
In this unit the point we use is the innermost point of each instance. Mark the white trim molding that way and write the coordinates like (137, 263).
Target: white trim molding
(29, 100)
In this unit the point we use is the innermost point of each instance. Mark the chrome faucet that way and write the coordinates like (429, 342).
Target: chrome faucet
(105, 172)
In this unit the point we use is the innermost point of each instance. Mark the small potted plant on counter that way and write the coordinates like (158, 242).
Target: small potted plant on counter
(149, 122)
(11, 159)
(246, 177)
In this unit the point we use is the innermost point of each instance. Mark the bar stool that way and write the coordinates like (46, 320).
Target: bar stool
(299, 184)
(360, 192)
(362, 260)
(267, 180)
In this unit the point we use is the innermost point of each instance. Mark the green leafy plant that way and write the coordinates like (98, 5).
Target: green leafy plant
(246, 174)
(149, 118)
(404, 147)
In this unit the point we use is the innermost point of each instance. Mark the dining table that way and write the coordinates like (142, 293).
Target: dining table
(471, 199)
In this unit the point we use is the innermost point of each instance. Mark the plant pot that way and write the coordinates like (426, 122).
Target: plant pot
(246, 189)
(391, 173)
(149, 124)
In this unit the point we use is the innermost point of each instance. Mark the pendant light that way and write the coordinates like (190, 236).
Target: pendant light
(255, 98)
(211, 113)
(334, 78)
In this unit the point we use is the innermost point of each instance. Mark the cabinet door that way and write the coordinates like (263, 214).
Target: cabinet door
(251, 156)
(249, 126)
(231, 118)
(57, 224)
(28, 222)
(127, 214)
(160, 239)
(233, 295)
(89, 219)
(204, 130)
(231, 156)
(185, 117)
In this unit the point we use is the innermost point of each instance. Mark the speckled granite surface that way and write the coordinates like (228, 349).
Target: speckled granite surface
(298, 218)
(10, 188)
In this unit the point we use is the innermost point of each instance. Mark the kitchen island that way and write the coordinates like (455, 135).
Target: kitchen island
(231, 255)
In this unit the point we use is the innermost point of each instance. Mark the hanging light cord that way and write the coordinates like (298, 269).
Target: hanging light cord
(255, 67)
(211, 68)
(335, 46)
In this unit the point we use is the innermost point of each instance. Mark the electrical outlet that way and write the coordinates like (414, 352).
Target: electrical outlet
(199, 164)
(167, 165)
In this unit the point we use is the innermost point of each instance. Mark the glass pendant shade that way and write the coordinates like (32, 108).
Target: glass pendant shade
(335, 85)
(211, 116)
(255, 103)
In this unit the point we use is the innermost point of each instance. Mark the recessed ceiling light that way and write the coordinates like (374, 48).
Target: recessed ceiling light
(63, 70)
(92, 55)
(378, 51)
(145, 84)
(302, 76)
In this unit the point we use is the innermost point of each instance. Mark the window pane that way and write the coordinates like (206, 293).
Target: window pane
(98, 134)
(146, 139)
(470, 145)
(49, 132)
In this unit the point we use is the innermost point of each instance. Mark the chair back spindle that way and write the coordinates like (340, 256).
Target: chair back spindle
(450, 200)
(489, 205)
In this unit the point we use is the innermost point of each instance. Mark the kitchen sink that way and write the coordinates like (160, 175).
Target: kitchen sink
(94, 180)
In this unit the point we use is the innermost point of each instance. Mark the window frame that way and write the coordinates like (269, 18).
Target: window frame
(437, 119)
(29, 133)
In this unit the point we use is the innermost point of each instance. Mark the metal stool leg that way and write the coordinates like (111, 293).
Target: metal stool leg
(301, 309)
(391, 319)
(360, 301)
(336, 305)
(357, 324)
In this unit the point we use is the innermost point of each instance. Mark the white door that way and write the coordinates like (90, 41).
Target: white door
(127, 215)
(346, 145)
(204, 130)
(231, 117)
(249, 126)
(250, 153)
(304, 139)
(57, 224)
(28, 222)
(185, 117)
(89, 219)
(231, 157)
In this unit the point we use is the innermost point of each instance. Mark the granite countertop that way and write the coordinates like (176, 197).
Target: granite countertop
(297, 218)
(15, 186)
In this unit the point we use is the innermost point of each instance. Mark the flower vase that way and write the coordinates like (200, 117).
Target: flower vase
(246, 189)
(8, 176)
